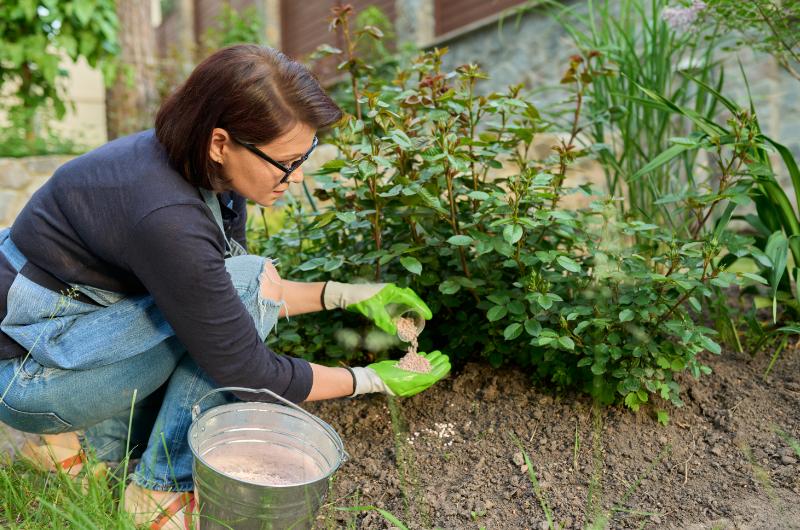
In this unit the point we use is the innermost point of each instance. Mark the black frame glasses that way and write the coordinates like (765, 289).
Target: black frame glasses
(286, 170)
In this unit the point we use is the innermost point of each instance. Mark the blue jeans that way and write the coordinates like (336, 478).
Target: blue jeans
(99, 390)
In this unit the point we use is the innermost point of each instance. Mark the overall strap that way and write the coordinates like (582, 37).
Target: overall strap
(232, 248)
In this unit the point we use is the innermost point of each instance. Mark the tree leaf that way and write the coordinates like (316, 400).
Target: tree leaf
(533, 327)
(460, 240)
(566, 342)
(333, 263)
(709, 344)
(496, 313)
(568, 263)
(663, 158)
(755, 277)
(401, 139)
(449, 287)
(626, 315)
(512, 233)
(512, 331)
(412, 265)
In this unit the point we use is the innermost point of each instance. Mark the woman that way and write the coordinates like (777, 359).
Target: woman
(124, 280)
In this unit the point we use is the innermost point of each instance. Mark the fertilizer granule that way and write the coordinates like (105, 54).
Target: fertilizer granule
(412, 361)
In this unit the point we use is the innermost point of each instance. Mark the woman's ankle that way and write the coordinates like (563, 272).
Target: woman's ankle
(67, 440)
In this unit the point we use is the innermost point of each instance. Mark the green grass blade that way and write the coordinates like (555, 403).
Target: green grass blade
(662, 159)
(789, 162)
(709, 127)
(775, 355)
(729, 104)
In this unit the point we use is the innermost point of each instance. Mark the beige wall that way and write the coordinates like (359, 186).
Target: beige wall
(86, 123)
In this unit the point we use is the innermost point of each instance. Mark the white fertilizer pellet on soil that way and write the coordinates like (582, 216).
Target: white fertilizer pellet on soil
(412, 361)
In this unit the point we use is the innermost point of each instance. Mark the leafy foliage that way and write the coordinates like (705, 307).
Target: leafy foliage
(764, 25)
(34, 37)
(437, 188)
(232, 27)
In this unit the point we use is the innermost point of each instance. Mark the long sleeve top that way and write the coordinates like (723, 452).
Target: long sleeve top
(121, 218)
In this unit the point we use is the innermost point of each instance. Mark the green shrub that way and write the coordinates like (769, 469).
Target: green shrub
(582, 299)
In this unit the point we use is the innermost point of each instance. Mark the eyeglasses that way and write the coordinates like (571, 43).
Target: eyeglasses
(286, 170)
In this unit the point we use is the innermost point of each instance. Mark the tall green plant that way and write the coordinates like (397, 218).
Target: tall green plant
(777, 222)
(641, 49)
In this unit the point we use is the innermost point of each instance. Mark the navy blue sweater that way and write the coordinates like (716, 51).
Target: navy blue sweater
(121, 219)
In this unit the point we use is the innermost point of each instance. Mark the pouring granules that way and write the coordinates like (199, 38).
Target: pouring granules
(411, 361)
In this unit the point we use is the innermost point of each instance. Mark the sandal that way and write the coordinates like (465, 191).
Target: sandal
(172, 513)
(50, 456)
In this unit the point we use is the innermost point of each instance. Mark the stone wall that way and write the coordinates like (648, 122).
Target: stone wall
(20, 178)
(533, 49)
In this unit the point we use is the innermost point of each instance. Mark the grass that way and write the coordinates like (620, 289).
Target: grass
(30, 499)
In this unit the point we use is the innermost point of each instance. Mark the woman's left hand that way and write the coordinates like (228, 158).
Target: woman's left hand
(372, 299)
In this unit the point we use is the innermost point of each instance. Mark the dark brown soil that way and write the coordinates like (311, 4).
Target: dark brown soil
(448, 458)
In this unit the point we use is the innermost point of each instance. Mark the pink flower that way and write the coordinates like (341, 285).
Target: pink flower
(680, 18)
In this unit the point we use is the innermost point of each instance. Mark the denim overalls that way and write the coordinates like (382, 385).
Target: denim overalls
(88, 364)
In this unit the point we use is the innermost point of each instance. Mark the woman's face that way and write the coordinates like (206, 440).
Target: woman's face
(255, 178)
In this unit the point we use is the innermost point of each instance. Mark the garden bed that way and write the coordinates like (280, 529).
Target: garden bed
(454, 464)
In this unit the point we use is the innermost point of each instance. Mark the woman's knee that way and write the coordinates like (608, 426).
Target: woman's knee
(270, 282)
(250, 273)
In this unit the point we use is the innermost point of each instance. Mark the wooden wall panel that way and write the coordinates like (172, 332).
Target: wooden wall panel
(454, 14)
(207, 11)
(304, 26)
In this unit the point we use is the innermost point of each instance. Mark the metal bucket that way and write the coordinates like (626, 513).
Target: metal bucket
(283, 433)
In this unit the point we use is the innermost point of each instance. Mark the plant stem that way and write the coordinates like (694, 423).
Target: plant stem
(471, 138)
(345, 24)
(454, 219)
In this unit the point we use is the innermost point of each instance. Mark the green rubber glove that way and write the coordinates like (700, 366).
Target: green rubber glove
(372, 299)
(387, 378)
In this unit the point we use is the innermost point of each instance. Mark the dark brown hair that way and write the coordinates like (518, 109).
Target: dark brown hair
(254, 92)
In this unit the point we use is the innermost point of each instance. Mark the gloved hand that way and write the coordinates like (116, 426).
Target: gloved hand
(371, 299)
(386, 377)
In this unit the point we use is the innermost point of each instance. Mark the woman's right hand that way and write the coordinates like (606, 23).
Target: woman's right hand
(371, 300)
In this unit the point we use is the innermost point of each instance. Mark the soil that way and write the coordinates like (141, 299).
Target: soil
(448, 457)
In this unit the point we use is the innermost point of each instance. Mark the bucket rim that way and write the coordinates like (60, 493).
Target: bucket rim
(330, 432)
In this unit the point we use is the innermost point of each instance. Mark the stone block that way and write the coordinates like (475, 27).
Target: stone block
(10, 204)
(34, 184)
(13, 173)
(45, 165)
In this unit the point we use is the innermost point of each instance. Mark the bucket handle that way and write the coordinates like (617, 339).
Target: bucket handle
(328, 429)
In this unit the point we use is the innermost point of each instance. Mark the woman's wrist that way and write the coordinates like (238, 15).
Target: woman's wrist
(330, 382)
